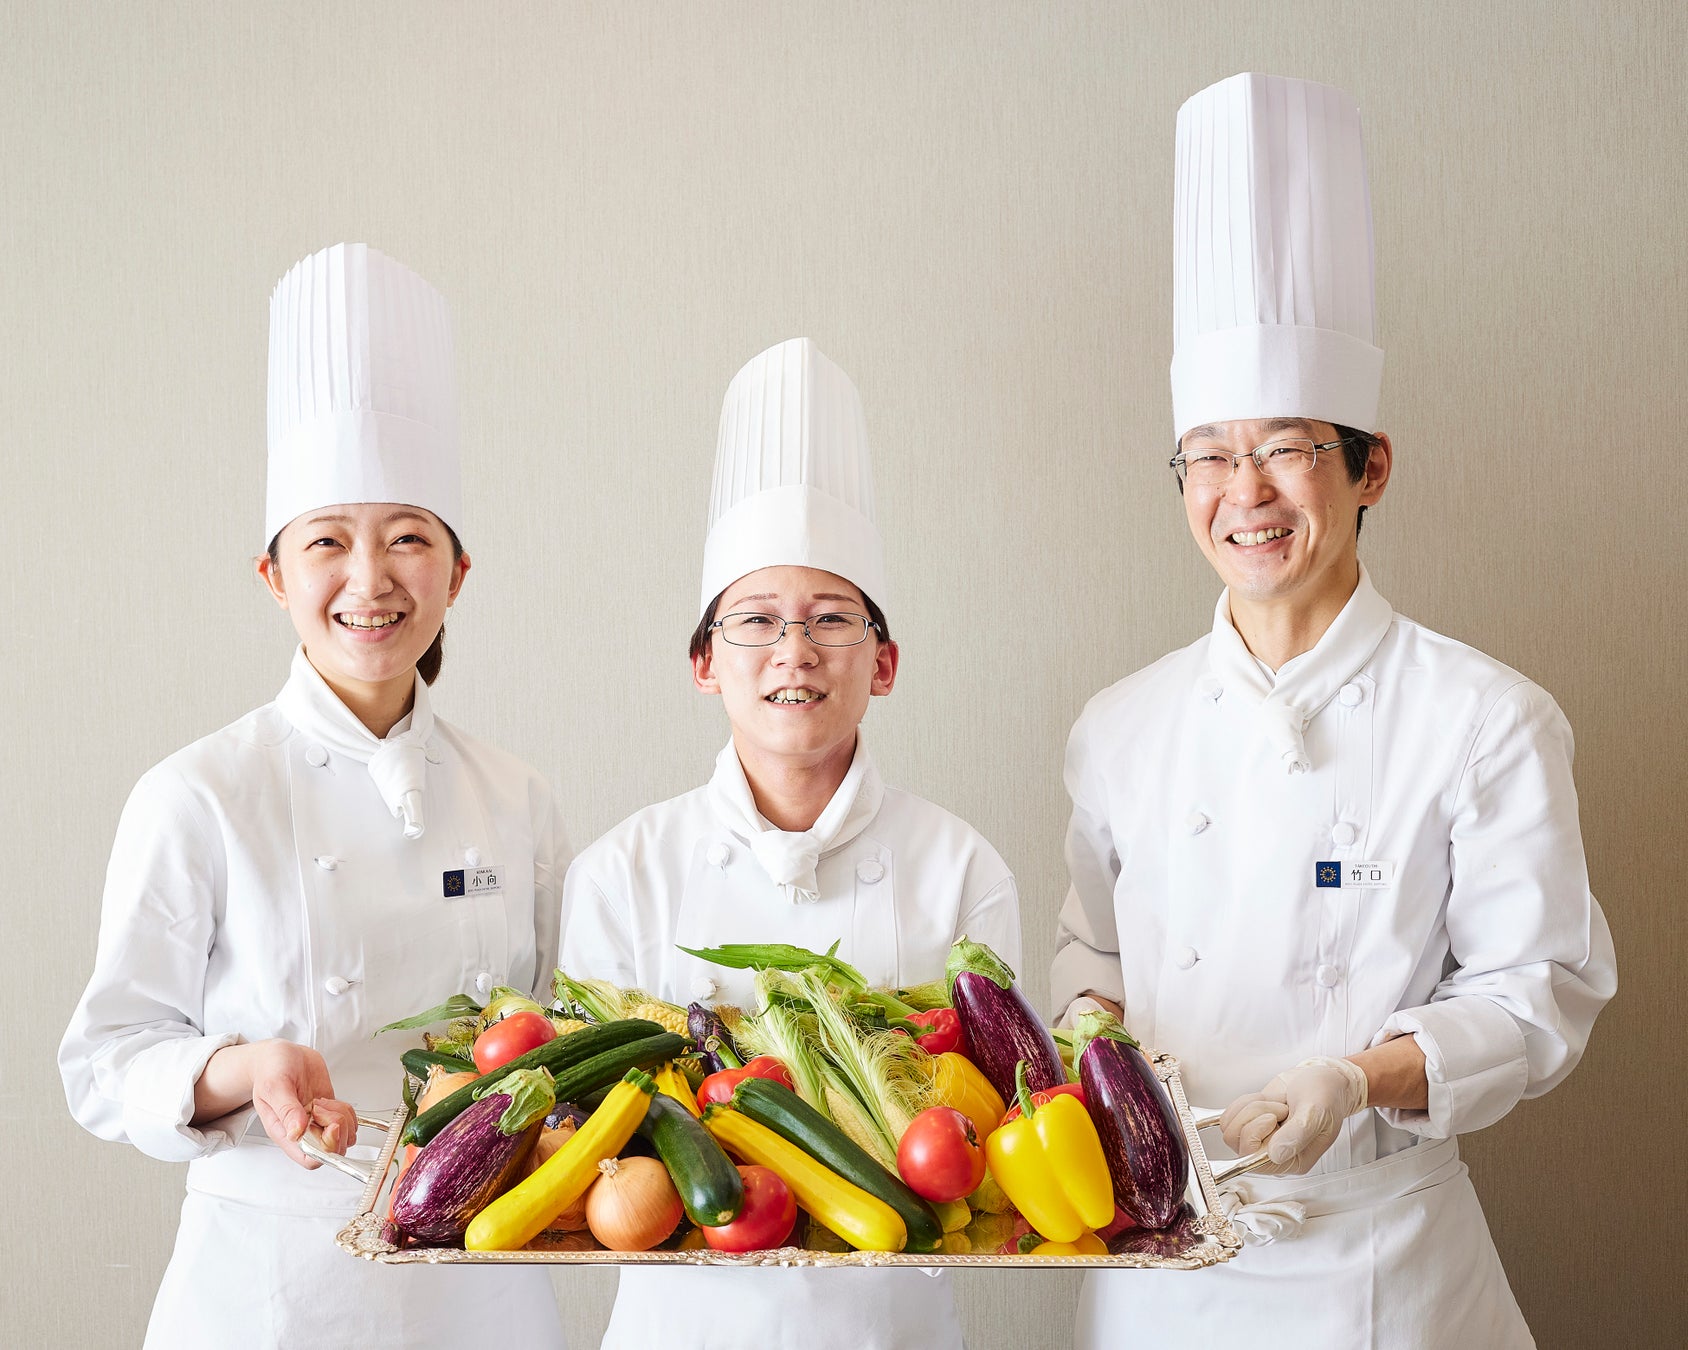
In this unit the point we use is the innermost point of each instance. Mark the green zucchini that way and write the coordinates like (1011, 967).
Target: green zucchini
(789, 1116)
(417, 1062)
(591, 1058)
(710, 1186)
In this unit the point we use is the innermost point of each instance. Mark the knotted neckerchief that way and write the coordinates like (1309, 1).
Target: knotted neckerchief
(790, 857)
(1305, 684)
(398, 764)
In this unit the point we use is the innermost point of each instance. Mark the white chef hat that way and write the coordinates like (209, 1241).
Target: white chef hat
(362, 399)
(1273, 294)
(793, 484)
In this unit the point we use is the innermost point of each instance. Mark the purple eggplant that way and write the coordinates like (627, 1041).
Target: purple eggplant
(475, 1158)
(712, 1039)
(1002, 1029)
(1134, 1118)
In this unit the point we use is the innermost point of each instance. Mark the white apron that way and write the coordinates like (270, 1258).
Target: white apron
(898, 894)
(260, 887)
(1212, 895)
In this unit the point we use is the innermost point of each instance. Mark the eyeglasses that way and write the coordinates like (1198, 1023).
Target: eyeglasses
(1211, 466)
(824, 630)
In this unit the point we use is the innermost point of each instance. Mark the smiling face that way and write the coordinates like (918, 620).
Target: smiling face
(1283, 543)
(367, 587)
(796, 702)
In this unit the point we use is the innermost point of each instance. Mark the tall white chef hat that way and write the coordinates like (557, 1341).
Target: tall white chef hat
(362, 401)
(793, 484)
(1273, 293)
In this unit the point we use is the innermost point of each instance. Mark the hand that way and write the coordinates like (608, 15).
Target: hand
(289, 1087)
(1298, 1115)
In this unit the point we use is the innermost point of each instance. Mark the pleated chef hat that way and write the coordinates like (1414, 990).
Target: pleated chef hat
(362, 400)
(1273, 294)
(793, 485)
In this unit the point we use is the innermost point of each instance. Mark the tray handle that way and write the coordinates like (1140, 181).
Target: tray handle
(311, 1145)
(1207, 1120)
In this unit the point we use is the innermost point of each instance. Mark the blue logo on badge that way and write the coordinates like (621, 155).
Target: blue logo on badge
(454, 884)
(1327, 874)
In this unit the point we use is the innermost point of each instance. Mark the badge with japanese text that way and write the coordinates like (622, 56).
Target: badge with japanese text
(473, 881)
(1354, 876)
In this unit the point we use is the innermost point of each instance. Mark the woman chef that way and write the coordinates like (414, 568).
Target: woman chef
(795, 838)
(1326, 856)
(281, 889)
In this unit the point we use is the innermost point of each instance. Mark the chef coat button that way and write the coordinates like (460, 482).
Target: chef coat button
(870, 870)
(433, 753)
(483, 983)
(703, 987)
(1343, 833)
(1188, 957)
(1196, 822)
(471, 856)
(327, 862)
(336, 985)
(1328, 976)
(316, 756)
(718, 854)
(1351, 695)
(1210, 688)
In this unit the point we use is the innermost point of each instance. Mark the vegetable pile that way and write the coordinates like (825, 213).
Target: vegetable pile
(946, 1118)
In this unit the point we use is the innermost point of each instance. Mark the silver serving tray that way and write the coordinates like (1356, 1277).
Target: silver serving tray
(1202, 1236)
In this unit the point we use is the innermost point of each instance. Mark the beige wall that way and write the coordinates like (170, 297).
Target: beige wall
(968, 207)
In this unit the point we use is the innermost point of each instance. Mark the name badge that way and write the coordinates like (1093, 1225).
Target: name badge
(473, 881)
(1355, 876)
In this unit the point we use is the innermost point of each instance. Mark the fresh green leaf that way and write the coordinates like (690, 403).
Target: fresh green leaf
(458, 1005)
(532, 1093)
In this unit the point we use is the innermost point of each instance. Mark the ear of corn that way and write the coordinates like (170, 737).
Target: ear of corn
(665, 1015)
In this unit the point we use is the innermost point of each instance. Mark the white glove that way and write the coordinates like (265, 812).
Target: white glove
(1297, 1115)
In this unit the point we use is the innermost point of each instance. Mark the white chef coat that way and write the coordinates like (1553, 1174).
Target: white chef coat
(1195, 902)
(896, 896)
(259, 887)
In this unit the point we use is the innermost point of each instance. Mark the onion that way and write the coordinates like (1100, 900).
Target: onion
(632, 1205)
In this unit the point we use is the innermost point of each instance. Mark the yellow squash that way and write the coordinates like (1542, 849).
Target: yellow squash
(864, 1221)
(521, 1213)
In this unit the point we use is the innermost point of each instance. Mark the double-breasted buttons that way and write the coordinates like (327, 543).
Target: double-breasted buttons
(718, 854)
(316, 756)
(433, 753)
(1210, 688)
(336, 985)
(483, 983)
(703, 987)
(327, 861)
(1351, 695)
(1328, 976)
(471, 856)
(1343, 833)
(1186, 958)
(870, 871)
(1196, 822)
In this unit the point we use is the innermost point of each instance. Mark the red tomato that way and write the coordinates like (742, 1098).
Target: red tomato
(719, 1086)
(940, 1156)
(514, 1035)
(765, 1220)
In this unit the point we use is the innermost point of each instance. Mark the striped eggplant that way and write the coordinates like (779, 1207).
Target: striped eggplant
(1002, 1029)
(474, 1159)
(1134, 1118)
(714, 1043)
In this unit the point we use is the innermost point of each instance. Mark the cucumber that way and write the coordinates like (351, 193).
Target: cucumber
(789, 1116)
(710, 1186)
(417, 1062)
(581, 1061)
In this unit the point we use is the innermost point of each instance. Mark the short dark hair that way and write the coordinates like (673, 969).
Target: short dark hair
(700, 634)
(428, 664)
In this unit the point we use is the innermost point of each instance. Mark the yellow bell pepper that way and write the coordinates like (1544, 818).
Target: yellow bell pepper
(521, 1213)
(958, 1082)
(1087, 1244)
(1050, 1164)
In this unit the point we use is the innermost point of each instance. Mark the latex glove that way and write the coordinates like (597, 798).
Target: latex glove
(1298, 1115)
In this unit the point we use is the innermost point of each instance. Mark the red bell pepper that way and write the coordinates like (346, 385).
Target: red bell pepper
(1043, 1099)
(718, 1087)
(939, 1031)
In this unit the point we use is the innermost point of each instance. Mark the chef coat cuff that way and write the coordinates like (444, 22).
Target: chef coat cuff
(1078, 969)
(1474, 1063)
(158, 1101)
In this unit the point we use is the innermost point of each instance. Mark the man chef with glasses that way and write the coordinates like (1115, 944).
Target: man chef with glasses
(1328, 858)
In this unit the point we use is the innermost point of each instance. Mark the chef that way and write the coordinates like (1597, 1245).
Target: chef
(795, 837)
(281, 889)
(1327, 857)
